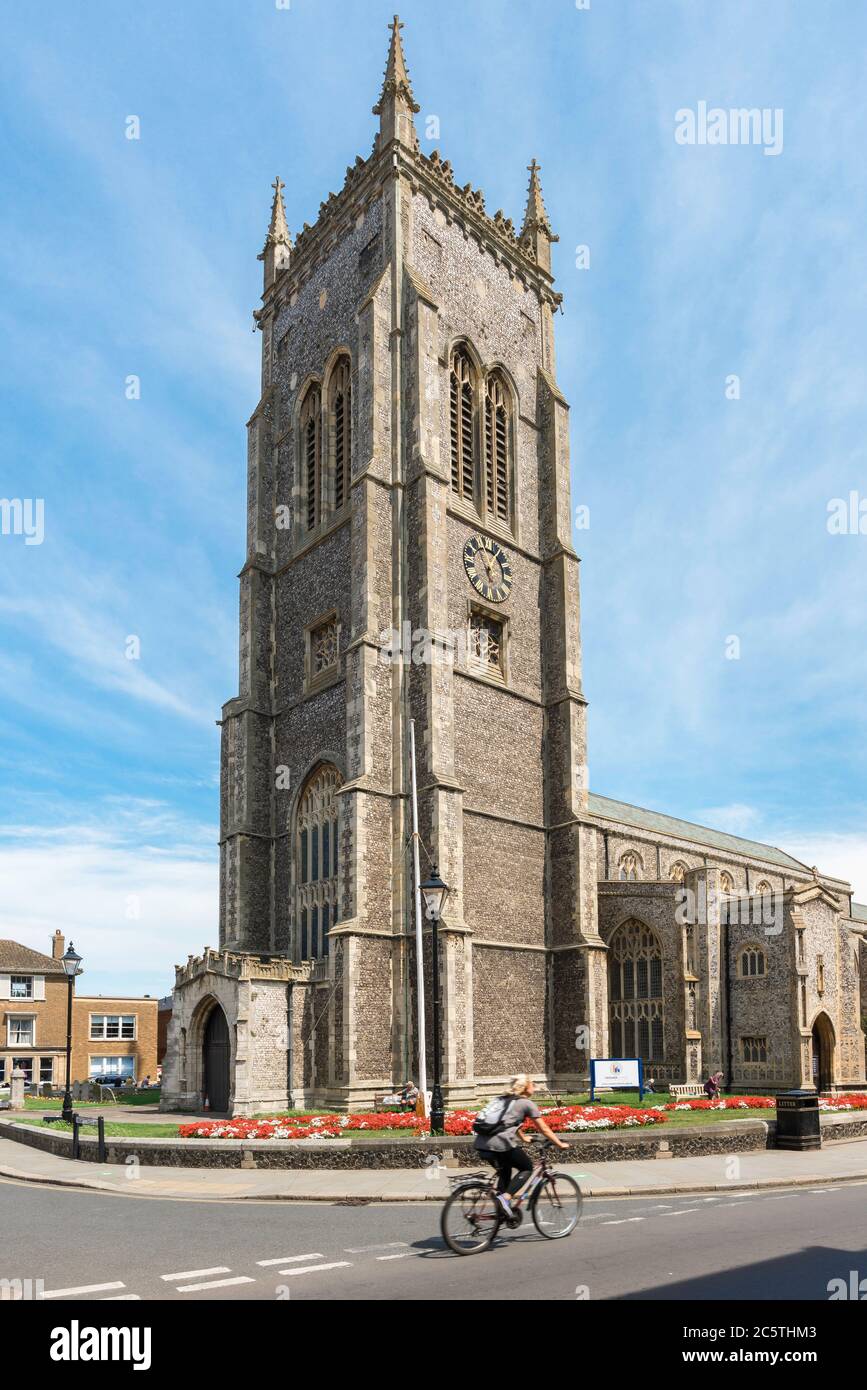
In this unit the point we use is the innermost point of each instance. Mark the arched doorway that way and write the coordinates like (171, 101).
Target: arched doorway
(823, 1053)
(215, 1060)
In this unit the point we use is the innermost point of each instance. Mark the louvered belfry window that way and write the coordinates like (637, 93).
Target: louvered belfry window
(311, 450)
(497, 483)
(462, 408)
(341, 425)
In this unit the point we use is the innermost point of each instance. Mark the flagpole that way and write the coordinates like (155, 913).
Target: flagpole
(419, 954)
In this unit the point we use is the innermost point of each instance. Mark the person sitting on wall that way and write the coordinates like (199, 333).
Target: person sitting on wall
(409, 1095)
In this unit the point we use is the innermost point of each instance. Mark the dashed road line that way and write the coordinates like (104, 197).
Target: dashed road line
(363, 1249)
(313, 1269)
(624, 1221)
(290, 1259)
(404, 1255)
(196, 1273)
(215, 1284)
(122, 1298)
(83, 1288)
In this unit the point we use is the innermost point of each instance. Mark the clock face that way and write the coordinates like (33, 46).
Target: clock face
(488, 568)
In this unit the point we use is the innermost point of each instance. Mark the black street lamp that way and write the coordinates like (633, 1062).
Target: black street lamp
(435, 892)
(71, 962)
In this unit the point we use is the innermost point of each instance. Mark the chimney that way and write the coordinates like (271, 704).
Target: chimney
(58, 945)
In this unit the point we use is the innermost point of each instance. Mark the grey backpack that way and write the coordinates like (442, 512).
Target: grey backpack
(486, 1125)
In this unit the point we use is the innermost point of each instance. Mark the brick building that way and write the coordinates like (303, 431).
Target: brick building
(410, 556)
(112, 1037)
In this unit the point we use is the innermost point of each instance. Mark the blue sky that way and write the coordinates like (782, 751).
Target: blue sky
(708, 516)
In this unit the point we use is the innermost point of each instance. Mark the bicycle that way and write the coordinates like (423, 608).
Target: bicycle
(471, 1215)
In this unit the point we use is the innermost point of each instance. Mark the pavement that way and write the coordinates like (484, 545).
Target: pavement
(842, 1161)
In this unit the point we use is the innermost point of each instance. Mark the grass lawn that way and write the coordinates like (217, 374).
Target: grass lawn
(56, 1102)
(112, 1129)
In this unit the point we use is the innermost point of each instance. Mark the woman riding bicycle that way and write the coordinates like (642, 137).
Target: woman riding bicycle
(504, 1119)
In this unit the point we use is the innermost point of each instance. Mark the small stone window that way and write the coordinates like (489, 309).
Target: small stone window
(753, 963)
(677, 872)
(487, 644)
(764, 887)
(726, 882)
(754, 1049)
(323, 651)
(820, 974)
(630, 868)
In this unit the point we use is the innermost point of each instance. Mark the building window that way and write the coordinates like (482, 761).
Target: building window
(764, 887)
(754, 1049)
(820, 974)
(46, 1069)
(752, 963)
(677, 872)
(311, 456)
(21, 1032)
(2, 1070)
(317, 862)
(630, 868)
(340, 422)
(462, 420)
(498, 482)
(21, 987)
(635, 985)
(24, 1064)
(111, 1069)
(323, 647)
(801, 957)
(726, 882)
(112, 1026)
(487, 644)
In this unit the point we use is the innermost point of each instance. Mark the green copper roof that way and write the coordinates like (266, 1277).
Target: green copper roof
(656, 824)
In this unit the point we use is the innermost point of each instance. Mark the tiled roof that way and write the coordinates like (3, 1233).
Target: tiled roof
(15, 957)
(656, 824)
(859, 912)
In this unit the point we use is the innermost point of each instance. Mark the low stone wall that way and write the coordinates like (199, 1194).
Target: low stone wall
(654, 1142)
(726, 1136)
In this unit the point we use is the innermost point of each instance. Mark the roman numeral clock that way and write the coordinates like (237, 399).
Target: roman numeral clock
(488, 568)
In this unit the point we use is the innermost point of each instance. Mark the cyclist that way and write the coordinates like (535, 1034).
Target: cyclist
(507, 1116)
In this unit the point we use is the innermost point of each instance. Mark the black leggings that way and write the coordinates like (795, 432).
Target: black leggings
(504, 1161)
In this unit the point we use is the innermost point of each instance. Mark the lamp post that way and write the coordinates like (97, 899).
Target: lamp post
(434, 892)
(71, 962)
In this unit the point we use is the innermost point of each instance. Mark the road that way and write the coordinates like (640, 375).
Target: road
(780, 1244)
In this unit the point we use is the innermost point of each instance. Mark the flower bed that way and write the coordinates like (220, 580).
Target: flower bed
(725, 1103)
(565, 1118)
(856, 1101)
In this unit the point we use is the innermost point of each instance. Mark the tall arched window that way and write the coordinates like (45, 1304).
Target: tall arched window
(498, 485)
(635, 993)
(340, 416)
(462, 410)
(316, 863)
(311, 456)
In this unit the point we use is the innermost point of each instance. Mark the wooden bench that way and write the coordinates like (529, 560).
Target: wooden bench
(387, 1102)
(687, 1090)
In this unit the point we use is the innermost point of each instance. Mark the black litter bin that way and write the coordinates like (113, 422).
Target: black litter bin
(798, 1120)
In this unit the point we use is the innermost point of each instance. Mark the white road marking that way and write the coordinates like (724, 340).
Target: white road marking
(84, 1288)
(215, 1284)
(403, 1256)
(196, 1273)
(363, 1250)
(122, 1298)
(665, 1206)
(624, 1221)
(312, 1269)
(291, 1259)
(688, 1211)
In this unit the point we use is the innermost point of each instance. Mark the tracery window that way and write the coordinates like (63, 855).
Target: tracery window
(462, 410)
(340, 423)
(726, 882)
(311, 456)
(498, 486)
(630, 867)
(636, 1011)
(754, 1049)
(323, 647)
(317, 863)
(764, 887)
(677, 872)
(753, 963)
(487, 644)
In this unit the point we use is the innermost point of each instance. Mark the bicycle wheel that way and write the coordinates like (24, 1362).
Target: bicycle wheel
(470, 1218)
(556, 1206)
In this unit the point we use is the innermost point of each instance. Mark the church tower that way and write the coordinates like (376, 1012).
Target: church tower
(409, 557)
